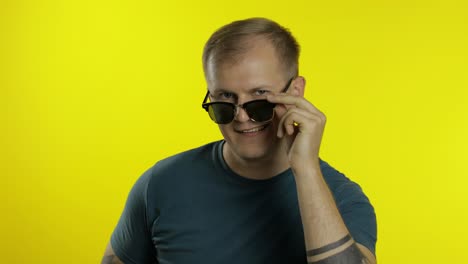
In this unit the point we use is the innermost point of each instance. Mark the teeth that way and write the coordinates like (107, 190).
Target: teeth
(253, 129)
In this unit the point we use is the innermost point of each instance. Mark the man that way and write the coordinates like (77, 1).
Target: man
(261, 195)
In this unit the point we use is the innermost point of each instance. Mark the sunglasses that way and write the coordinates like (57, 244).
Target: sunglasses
(257, 110)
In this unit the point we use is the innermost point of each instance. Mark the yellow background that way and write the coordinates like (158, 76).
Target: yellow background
(95, 92)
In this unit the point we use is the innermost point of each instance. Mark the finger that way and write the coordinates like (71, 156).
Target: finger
(303, 120)
(281, 110)
(295, 118)
(294, 121)
(311, 116)
(297, 101)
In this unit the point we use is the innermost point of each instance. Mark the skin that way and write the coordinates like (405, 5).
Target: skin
(110, 257)
(291, 140)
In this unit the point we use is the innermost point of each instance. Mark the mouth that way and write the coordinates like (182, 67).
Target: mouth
(254, 130)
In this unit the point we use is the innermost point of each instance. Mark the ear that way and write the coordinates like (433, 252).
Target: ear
(298, 86)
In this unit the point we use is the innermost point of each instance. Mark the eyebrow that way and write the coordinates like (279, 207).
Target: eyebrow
(217, 90)
(261, 87)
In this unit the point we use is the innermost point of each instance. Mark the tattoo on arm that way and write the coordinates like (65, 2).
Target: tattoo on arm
(343, 251)
(320, 250)
(110, 259)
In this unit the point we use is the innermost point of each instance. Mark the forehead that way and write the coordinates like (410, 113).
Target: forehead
(258, 66)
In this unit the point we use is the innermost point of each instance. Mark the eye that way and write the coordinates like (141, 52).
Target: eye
(261, 92)
(226, 95)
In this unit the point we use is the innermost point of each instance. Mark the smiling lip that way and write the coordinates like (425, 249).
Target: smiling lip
(253, 131)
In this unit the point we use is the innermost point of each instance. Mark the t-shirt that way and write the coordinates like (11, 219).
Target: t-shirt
(192, 208)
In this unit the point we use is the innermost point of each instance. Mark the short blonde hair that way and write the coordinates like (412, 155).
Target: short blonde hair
(232, 40)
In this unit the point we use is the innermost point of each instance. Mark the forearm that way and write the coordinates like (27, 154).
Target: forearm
(326, 237)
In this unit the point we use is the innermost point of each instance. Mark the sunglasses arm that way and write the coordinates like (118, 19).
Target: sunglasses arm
(206, 97)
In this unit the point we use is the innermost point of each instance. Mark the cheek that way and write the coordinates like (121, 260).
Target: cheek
(225, 130)
(274, 126)
(276, 120)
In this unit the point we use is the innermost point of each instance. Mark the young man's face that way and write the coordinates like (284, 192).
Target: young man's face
(254, 75)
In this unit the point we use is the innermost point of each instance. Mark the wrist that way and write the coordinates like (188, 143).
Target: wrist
(306, 167)
(308, 164)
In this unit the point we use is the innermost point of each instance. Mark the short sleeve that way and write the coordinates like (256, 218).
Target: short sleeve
(358, 214)
(355, 208)
(131, 239)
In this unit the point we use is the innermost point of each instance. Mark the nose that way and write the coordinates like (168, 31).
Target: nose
(241, 114)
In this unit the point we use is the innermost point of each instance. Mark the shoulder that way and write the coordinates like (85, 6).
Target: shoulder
(181, 169)
(185, 160)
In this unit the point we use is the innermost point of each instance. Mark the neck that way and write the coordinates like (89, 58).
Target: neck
(260, 168)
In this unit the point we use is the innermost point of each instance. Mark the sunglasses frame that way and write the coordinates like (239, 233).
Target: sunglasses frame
(206, 105)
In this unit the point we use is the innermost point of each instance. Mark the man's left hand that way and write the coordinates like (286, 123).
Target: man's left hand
(301, 125)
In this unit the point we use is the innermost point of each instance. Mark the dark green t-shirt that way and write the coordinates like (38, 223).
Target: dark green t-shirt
(192, 208)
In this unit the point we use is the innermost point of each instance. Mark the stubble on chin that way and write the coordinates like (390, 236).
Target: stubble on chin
(241, 153)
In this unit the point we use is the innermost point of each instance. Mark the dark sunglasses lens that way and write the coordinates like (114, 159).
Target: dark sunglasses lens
(221, 113)
(260, 111)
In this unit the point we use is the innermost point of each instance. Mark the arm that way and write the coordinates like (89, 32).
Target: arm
(110, 257)
(326, 236)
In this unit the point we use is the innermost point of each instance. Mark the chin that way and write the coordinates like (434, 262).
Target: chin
(251, 155)
(253, 151)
